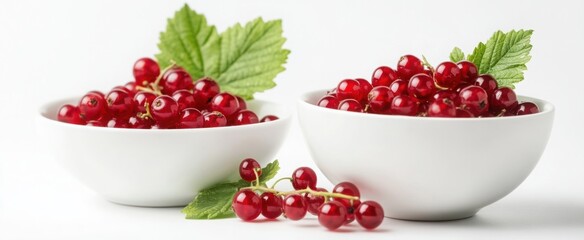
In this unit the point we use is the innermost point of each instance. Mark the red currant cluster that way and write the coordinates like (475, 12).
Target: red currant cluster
(161, 100)
(449, 90)
(341, 206)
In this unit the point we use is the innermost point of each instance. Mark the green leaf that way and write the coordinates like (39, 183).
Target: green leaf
(456, 55)
(191, 43)
(215, 202)
(504, 56)
(251, 57)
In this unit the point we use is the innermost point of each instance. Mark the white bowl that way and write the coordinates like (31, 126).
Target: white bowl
(425, 168)
(159, 168)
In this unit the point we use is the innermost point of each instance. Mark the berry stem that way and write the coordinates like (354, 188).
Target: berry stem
(307, 190)
(154, 85)
(277, 181)
(427, 64)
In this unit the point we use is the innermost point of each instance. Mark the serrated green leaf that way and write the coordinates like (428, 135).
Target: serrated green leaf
(456, 55)
(504, 56)
(251, 57)
(191, 43)
(269, 171)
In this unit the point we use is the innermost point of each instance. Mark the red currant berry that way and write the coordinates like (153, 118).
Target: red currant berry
(120, 103)
(175, 79)
(447, 75)
(92, 106)
(242, 104)
(314, 202)
(269, 118)
(131, 88)
(332, 215)
(118, 123)
(204, 90)
(421, 86)
(399, 87)
(383, 76)
(246, 169)
(380, 99)
(140, 123)
(349, 89)
(369, 215)
(294, 207)
(164, 110)
(350, 189)
(271, 205)
(468, 71)
(526, 108)
(247, 205)
(350, 105)
(184, 98)
(474, 99)
(143, 99)
(365, 87)
(443, 107)
(328, 101)
(190, 118)
(462, 86)
(146, 71)
(503, 99)
(461, 113)
(244, 117)
(214, 119)
(408, 66)
(404, 105)
(487, 82)
(224, 103)
(304, 177)
(95, 123)
(452, 95)
(98, 93)
(70, 114)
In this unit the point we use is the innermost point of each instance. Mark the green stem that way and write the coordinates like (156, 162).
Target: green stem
(277, 181)
(307, 190)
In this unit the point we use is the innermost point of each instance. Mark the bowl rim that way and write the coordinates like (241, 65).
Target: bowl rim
(43, 110)
(545, 108)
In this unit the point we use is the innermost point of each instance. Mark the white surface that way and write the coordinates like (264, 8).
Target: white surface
(425, 168)
(52, 49)
(159, 168)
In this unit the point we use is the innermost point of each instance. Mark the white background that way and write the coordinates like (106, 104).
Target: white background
(52, 49)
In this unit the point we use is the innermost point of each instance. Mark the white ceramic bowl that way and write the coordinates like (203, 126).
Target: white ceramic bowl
(425, 168)
(159, 168)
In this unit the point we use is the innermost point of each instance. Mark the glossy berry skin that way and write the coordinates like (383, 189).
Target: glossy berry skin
(190, 118)
(365, 87)
(349, 89)
(271, 205)
(95, 123)
(140, 123)
(383, 76)
(204, 90)
(175, 79)
(503, 99)
(452, 95)
(241, 101)
(244, 117)
(447, 75)
(526, 108)
(224, 103)
(143, 99)
(164, 110)
(92, 106)
(350, 105)
(421, 86)
(131, 88)
(70, 114)
(314, 202)
(214, 119)
(369, 215)
(399, 87)
(246, 168)
(350, 189)
(474, 99)
(468, 71)
(443, 107)
(304, 177)
(145, 71)
(404, 105)
(294, 207)
(332, 215)
(118, 123)
(247, 205)
(462, 86)
(380, 99)
(328, 101)
(269, 118)
(120, 103)
(487, 82)
(184, 98)
(461, 113)
(408, 66)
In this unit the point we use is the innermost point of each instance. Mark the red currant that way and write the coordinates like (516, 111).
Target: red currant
(474, 99)
(409, 66)
(443, 107)
(224, 103)
(184, 98)
(365, 87)
(242, 104)
(332, 215)
(350, 189)
(487, 82)
(120, 103)
(146, 71)
(244, 117)
(452, 95)
(314, 202)
(294, 207)
(190, 118)
(503, 99)
(447, 75)
(131, 88)
(526, 108)
(164, 110)
(70, 114)
(140, 123)
(214, 119)
(461, 113)
(143, 99)
(380, 99)
(95, 123)
(404, 105)
(421, 86)
(271, 205)
(328, 101)
(118, 123)
(369, 214)
(468, 71)
(350, 105)
(175, 79)
(204, 90)
(92, 106)
(304, 177)
(247, 205)
(383, 76)
(269, 118)
(246, 169)
(349, 89)
(399, 87)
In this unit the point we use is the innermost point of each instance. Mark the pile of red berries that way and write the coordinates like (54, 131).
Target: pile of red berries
(449, 90)
(161, 100)
(334, 209)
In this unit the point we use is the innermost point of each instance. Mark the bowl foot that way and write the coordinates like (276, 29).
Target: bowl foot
(151, 204)
(433, 217)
